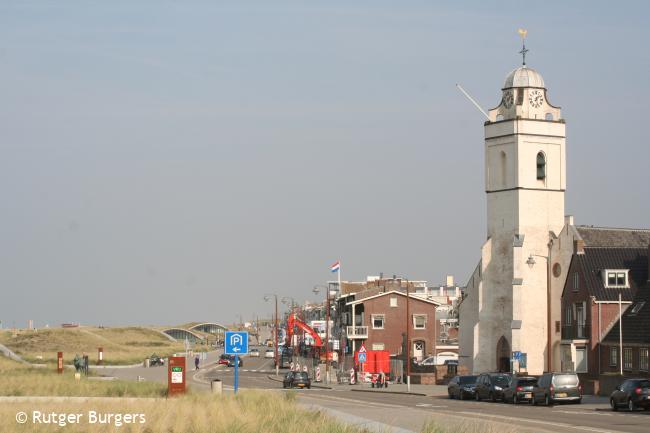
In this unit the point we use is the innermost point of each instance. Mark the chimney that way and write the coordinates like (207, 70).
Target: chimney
(450, 280)
(579, 246)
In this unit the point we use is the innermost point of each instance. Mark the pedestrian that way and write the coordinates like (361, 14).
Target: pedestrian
(196, 361)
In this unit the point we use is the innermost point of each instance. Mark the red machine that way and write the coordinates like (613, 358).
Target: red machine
(292, 322)
(377, 361)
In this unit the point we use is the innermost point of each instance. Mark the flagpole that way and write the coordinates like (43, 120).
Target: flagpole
(339, 272)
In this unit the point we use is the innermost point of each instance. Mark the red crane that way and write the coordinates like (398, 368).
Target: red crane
(294, 321)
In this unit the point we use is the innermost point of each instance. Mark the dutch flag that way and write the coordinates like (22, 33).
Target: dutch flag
(336, 266)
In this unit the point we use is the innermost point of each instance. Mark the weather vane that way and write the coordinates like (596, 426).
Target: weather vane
(523, 33)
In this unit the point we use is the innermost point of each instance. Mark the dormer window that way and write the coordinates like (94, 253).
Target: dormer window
(616, 278)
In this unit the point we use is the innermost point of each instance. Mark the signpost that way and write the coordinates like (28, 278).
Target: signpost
(236, 344)
(59, 362)
(362, 356)
(176, 375)
(100, 355)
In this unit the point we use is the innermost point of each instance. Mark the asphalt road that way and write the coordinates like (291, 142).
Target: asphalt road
(412, 412)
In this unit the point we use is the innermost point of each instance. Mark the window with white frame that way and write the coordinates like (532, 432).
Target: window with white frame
(613, 356)
(627, 358)
(643, 359)
(616, 278)
(576, 282)
(378, 321)
(568, 316)
(393, 301)
(419, 321)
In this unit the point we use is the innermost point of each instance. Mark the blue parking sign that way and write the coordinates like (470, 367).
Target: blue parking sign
(362, 357)
(236, 343)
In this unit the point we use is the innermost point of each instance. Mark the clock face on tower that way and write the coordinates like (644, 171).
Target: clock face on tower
(535, 98)
(507, 98)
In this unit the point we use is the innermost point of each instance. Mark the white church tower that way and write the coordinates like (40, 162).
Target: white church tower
(525, 180)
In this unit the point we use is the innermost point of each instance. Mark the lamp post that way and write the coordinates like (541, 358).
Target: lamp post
(327, 331)
(292, 310)
(408, 340)
(275, 346)
(531, 262)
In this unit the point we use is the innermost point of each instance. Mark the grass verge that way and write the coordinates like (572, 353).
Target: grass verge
(17, 379)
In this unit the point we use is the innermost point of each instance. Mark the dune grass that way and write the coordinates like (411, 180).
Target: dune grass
(247, 412)
(121, 345)
(17, 379)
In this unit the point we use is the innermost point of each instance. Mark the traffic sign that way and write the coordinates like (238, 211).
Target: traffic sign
(516, 356)
(362, 357)
(236, 343)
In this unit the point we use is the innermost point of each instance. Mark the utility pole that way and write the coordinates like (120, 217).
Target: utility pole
(275, 346)
(408, 341)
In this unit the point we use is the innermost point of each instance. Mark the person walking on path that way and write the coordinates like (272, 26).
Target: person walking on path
(196, 361)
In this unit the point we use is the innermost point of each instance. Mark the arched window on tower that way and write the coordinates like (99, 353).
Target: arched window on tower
(504, 169)
(541, 166)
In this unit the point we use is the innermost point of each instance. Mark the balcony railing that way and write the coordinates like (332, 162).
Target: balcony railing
(357, 332)
(575, 332)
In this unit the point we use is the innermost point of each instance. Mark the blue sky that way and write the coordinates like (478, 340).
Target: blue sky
(211, 152)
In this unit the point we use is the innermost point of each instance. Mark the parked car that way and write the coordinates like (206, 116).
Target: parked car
(255, 353)
(632, 393)
(462, 387)
(491, 386)
(269, 353)
(298, 379)
(520, 389)
(231, 361)
(557, 387)
(223, 359)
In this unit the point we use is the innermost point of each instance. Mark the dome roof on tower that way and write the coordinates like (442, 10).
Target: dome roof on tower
(523, 76)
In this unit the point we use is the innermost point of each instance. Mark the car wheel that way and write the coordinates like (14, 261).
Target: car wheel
(492, 397)
(613, 404)
(630, 405)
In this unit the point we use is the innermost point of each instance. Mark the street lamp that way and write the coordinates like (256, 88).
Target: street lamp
(531, 262)
(275, 346)
(316, 289)
(408, 342)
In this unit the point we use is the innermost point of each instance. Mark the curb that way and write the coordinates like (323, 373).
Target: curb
(312, 385)
(390, 392)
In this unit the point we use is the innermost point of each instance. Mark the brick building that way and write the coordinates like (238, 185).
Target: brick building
(605, 263)
(379, 320)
